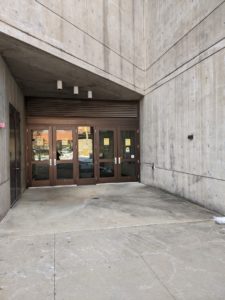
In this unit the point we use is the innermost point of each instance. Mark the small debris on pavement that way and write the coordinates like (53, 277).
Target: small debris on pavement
(219, 220)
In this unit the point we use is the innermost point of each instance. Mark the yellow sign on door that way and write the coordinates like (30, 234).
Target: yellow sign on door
(127, 142)
(85, 148)
(106, 141)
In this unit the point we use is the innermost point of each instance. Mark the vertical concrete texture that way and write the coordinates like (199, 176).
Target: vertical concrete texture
(185, 88)
(9, 93)
(103, 36)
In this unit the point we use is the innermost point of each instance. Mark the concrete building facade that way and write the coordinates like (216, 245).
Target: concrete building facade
(166, 55)
(185, 96)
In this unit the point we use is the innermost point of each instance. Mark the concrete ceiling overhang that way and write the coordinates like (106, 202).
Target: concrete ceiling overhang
(36, 72)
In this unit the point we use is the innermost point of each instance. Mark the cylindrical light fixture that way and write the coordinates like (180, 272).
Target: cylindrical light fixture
(90, 95)
(76, 90)
(59, 85)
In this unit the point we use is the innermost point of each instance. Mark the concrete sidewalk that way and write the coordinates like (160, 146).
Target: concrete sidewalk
(112, 241)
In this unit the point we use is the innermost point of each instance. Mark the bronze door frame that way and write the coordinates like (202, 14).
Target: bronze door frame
(52, 162)
(15, 154)
(118, 156)
(83, 181)
(107, 179)
(31, 162)
(55, 161)
(53, 124)
(135, 159)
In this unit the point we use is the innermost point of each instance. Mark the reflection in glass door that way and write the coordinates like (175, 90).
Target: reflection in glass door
(117, 155)
(15, 154)
(40, 156)
(66, 154)
(63, 155)
(86, 153)
(107, 154)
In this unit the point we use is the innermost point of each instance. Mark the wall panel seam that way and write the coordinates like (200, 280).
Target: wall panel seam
(88, 34)
(155, 86)
(180, 39)
(3, 182)
(140, 90)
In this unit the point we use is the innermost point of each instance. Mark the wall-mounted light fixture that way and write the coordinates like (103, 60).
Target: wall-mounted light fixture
(76, 90)
(2, 124)
(90, 95)
(59, 85)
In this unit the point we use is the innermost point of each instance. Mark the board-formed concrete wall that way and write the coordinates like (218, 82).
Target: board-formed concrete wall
(185, 92)
(9, 93)
(103, 36)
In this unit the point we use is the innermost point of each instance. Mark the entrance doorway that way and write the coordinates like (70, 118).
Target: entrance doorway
(82, 154)
(117, 154)
(52, 155)
(15, 155)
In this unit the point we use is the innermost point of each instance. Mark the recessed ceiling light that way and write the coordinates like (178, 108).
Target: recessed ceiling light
(76, 90)
(90, 95)
(59, 85)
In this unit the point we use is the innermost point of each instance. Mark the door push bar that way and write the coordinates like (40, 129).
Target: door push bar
(117, 160)
(50, 162)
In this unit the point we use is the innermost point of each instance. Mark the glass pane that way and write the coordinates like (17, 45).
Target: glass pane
(40, 145)
(64, 144)
(106, 144)
(106, 169)
(128, 144)
(64, 171)
(85, 151)
(40, 172)
(128, 168)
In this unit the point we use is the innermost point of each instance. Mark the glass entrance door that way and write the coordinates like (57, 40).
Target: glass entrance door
(117, 155)
(107, 155)
(63, 155)
(86, 159)
(15, 155)
(66, 154)
(128, 158)
(41, 156)
(52, 155)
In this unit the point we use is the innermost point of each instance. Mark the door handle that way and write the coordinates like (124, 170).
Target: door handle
(115, 160)
(17, 168)
(119, 160)
(50, 162)
(54, 161)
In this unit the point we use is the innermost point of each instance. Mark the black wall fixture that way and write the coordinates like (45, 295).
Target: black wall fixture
(191, 137)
